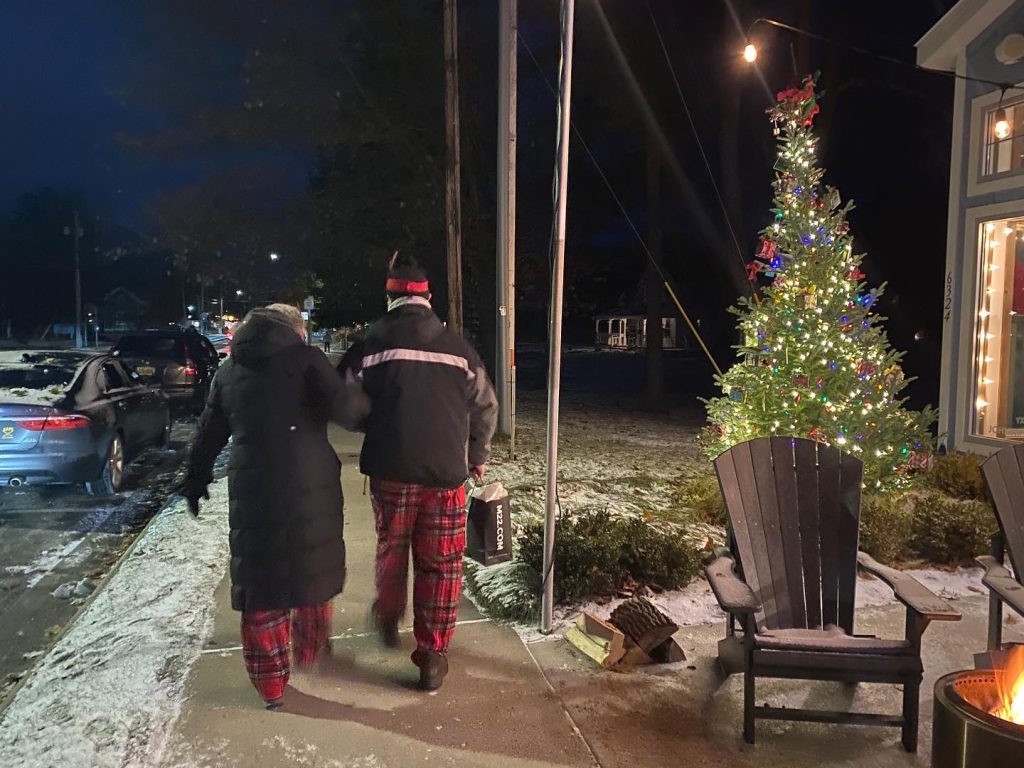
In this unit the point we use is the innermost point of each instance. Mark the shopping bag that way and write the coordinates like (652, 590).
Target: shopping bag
(489, 525)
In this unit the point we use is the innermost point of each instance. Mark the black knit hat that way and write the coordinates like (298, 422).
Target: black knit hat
(406, 277)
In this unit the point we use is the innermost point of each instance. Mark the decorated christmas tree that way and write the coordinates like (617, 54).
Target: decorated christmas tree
(815, 361)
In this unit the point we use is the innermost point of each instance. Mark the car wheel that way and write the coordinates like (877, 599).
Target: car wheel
(112, 477)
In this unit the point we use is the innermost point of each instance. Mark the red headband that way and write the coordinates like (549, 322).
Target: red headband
(398, 285)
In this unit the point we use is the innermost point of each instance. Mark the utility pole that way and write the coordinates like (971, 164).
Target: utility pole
(505, 357)
(555, 319)
(453, 170)
(77, 234)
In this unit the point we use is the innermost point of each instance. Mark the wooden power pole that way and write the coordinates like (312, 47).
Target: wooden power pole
(453, 169)
(505, 356)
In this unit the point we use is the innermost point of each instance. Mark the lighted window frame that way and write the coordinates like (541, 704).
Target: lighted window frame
(998, 331)
(1003, 156)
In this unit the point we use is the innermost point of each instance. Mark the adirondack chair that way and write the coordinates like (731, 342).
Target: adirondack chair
(1004, 474)
(787, 582)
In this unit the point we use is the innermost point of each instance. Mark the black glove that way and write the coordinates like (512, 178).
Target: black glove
(192, 492)
(193, 500)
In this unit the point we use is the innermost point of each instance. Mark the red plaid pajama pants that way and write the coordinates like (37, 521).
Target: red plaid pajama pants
(266, 636)
(433, 520)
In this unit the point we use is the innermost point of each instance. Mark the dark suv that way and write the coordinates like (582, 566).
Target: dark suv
(181, 363)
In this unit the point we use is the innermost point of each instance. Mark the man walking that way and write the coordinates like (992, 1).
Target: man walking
(432, 418)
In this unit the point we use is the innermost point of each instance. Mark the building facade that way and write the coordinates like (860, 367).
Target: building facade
(981, 399)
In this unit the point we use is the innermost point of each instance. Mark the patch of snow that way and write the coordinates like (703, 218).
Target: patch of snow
(109, 691)
(695, 604)
(950, 585)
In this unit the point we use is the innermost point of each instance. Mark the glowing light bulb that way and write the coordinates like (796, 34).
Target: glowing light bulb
(750, 53)
(1000, 125)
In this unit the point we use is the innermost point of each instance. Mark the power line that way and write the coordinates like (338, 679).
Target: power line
(700, 145)
(625, 214)
(1004, 86)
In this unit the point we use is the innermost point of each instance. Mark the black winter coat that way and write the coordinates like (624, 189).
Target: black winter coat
(274, 396)
(434, 409)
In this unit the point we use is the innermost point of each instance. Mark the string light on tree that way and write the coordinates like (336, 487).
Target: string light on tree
(815, 361)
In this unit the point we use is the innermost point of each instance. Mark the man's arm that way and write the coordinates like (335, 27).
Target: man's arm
(483, 414)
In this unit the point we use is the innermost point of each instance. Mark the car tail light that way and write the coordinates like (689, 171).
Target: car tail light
(48, 423)
(190, 368)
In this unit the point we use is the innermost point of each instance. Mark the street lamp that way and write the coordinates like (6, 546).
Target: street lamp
(750, 53)
(274, 257)
(239, 292)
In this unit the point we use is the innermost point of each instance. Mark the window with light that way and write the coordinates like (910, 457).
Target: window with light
(1004, 139)
(999, 331)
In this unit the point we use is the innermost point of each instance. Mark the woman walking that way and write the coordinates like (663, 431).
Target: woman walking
(274, 396)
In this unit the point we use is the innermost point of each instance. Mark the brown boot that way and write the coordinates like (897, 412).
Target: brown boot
(433, 667)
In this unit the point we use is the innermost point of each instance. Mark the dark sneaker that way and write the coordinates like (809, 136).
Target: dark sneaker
(387, 628)
(433, 667)
(275, 704)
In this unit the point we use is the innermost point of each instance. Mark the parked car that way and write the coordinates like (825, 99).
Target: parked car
(68, 417)
(221, 343)
(182, 363)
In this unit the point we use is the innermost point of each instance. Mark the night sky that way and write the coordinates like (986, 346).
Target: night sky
(68, 102)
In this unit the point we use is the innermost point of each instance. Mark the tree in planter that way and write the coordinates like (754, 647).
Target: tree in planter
(815, 360)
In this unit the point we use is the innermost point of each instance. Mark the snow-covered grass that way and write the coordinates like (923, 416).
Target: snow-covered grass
(109, 691)
(609, 458)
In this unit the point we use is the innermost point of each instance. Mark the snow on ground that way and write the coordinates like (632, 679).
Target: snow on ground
(109, 691)
(695, 604)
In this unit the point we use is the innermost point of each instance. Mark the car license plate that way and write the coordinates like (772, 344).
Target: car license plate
(146, 370)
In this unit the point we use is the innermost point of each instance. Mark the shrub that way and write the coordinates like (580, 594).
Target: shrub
(886, 525)
(958, 474)
(702, 494)
(508, 591)
(947, 530)
(598, 553)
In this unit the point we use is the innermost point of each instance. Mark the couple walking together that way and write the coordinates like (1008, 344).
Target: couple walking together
(422, 396)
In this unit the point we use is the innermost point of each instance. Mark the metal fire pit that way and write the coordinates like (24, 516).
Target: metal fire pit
(964, 734)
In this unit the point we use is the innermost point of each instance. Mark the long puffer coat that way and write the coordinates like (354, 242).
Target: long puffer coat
(274, 396)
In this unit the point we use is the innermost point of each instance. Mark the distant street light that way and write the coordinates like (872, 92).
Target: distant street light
(191, 307)
(274, 257)
(238, 292)
(750, 53)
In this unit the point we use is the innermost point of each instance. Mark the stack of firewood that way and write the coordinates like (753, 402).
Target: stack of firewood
(635, 633)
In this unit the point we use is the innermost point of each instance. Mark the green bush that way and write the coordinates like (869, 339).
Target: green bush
(886, 524)
(958, 474)
(596, 553)
(948, 530)
(702, 494)
(508, 591)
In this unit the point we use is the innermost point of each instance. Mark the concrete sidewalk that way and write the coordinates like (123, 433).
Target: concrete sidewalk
(360, 708)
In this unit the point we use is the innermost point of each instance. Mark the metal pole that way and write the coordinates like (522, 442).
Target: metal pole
(505, 357)
(79, 340)
(555, 319)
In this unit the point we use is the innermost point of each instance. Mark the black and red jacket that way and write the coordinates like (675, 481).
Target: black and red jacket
(434, 409)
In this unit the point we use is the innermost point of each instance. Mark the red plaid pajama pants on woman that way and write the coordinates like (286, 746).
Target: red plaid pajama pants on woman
(266, 636)
(433, 520)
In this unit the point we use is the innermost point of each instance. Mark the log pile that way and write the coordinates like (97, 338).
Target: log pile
(635, 633)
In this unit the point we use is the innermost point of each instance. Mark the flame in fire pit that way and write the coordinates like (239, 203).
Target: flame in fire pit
(1010, 688)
